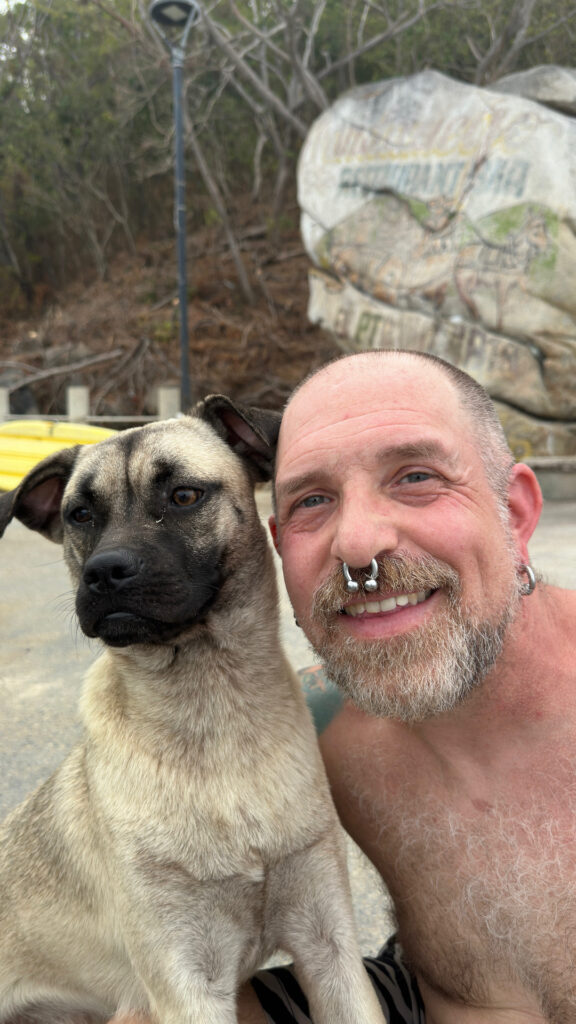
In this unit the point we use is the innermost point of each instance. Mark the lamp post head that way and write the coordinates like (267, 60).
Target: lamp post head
(176, 14)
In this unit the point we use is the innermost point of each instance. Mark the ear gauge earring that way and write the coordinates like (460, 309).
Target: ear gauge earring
(528, 587)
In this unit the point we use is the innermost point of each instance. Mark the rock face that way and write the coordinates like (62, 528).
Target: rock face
(441, 217)
(549, 84)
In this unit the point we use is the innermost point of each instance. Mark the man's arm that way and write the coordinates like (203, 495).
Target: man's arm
(249, 1009)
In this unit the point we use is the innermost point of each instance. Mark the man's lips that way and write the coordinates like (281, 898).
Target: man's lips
(384, 605)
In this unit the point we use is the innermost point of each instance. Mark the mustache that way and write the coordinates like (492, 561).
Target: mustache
(401, 573)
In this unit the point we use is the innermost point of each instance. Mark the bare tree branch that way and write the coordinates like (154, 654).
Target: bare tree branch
(501, 56)
(254, 80)
(402, 24)
(210, 183)
(310, 85)
(59, 371)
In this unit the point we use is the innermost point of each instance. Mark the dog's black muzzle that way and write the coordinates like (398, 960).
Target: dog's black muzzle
(112, 570)
(131, 596)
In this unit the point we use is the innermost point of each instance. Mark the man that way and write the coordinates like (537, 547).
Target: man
(403, 525)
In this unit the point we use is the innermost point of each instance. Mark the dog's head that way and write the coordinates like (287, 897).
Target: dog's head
(158, 523)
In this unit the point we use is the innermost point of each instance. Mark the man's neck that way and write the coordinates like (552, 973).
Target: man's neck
(531, 687)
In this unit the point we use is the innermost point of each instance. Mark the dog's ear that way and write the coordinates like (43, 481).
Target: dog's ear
(250, 432)
(36, 500)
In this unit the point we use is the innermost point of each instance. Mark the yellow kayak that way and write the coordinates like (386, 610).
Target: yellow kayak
(23, 443)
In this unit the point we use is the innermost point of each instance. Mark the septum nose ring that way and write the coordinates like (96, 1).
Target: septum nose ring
(371, 584)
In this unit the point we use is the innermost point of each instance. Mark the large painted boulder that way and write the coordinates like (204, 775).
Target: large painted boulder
(442, 217)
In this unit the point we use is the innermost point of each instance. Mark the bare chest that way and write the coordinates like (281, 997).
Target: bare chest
(485, 889)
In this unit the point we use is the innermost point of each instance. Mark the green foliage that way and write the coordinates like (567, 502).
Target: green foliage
(165, 332)
(211, 217)
(86, 120)
(67, 149)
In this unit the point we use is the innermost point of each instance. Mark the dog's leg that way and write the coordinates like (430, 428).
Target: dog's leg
(316, 926)
(192, 957)
(197, 1000)
(191, 995)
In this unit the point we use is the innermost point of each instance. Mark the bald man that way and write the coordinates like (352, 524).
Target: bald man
(403, 524)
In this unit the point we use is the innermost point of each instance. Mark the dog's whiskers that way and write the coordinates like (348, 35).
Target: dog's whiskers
(66, 607)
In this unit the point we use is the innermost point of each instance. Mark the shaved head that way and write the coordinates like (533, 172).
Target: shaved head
(474, 400)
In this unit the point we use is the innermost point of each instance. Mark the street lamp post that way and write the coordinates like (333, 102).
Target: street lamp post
(173, 20)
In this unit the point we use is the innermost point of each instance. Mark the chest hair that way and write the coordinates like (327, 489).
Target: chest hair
(485, 892)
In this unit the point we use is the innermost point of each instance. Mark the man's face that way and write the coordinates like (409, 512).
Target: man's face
(376, 459)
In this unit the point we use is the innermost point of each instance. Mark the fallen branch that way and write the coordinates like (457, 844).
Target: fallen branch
(59, 371)
(121, 372)
(281, 257)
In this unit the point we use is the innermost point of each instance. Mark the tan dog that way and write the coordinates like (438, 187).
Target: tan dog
(192, 832)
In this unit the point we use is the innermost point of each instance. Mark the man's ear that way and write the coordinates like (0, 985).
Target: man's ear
(273, 527)
(251, 432)
(37, 499)
(525, 505)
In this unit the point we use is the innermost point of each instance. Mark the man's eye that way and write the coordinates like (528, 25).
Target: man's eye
(81, 515)
(184, 497)
(313, 500)
(417, 477)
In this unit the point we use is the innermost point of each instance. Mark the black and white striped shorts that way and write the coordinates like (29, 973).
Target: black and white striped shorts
(284, 1002)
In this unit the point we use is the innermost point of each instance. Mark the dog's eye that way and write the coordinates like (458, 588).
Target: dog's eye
(81, 515)
(186, 496)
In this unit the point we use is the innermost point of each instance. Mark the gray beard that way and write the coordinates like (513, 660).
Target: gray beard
(422, 673)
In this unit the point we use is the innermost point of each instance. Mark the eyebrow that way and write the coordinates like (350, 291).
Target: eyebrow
(428, 450)
(300, 483)
(418, 450)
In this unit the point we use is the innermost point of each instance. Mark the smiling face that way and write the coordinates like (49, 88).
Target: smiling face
(377, 459)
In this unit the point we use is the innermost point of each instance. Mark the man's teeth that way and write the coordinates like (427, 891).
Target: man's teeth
(388, 605)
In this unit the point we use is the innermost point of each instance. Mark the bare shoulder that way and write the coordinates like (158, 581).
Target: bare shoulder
(352, 731)
(362, 755)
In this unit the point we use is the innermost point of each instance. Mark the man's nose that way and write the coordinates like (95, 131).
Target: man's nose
(365, 528)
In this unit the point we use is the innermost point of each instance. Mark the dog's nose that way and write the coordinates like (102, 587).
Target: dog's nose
(111, 570)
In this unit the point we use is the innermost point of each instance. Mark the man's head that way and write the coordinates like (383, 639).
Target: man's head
(399, 457)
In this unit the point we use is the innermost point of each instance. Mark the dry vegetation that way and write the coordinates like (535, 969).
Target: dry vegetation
(120, 336)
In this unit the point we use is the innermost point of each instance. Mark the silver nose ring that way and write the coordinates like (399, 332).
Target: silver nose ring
(371, 584)
(351, 586)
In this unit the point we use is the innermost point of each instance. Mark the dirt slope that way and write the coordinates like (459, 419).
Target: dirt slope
(255, 352)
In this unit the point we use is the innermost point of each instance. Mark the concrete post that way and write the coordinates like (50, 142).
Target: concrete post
(77, 402)
(4, 403)
(168, 402)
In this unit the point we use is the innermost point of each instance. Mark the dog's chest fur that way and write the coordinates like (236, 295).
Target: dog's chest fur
(225, 790)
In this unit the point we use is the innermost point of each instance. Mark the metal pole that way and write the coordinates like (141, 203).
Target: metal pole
(177, 53)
